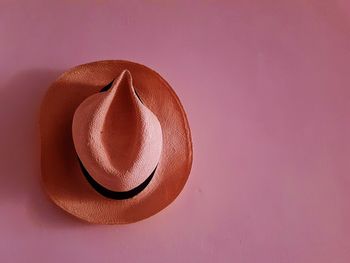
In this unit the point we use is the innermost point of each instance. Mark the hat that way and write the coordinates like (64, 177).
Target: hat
(115, 142)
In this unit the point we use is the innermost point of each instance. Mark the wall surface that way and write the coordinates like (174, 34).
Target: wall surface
(266, 86)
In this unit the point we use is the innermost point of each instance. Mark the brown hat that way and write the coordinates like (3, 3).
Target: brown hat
(116, 144)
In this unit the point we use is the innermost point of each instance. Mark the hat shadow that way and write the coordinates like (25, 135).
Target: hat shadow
(20, 101)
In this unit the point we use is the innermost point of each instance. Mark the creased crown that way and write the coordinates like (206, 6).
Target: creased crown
(117, 138)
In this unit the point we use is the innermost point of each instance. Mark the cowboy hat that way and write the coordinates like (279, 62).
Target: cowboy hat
(115, 142)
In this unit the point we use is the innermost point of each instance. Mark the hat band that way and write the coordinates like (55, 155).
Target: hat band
(113, 194)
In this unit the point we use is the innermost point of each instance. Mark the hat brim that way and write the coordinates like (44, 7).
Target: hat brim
(63, 179)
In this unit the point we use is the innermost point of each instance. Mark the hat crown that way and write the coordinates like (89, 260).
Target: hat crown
(117, 138)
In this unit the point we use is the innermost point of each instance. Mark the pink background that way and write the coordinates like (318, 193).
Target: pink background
(266, 85)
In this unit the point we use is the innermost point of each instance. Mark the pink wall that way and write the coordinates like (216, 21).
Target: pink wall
(266, 85)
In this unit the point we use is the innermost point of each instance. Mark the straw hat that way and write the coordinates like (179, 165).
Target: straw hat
(115, 142)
